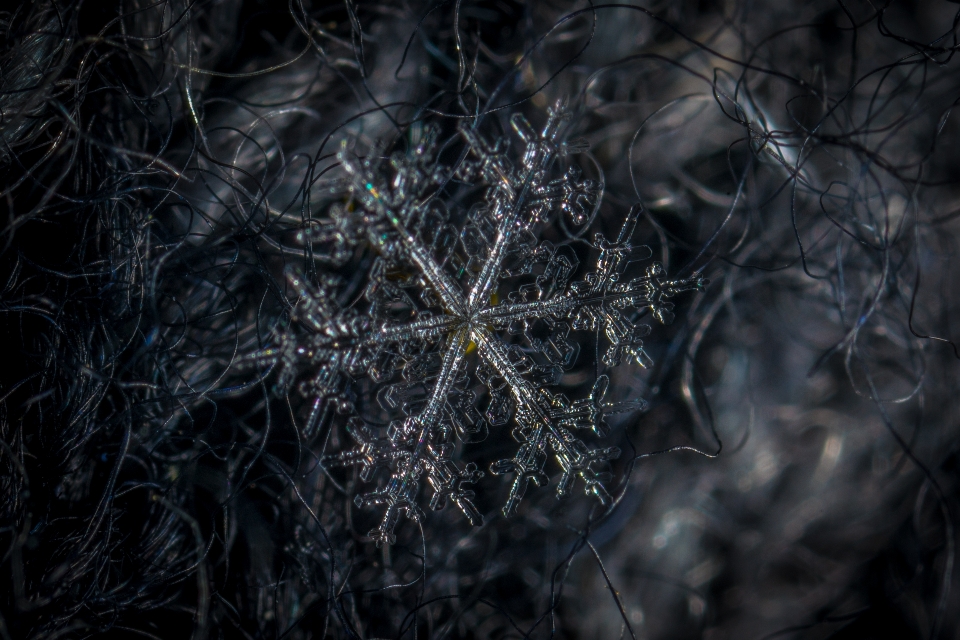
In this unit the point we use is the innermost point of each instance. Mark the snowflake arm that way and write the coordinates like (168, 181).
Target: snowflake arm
(541, 418)
(400, 204)
(510, 192)
(431, 455)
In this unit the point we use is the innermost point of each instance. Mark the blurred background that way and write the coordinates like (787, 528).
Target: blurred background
(794, 475)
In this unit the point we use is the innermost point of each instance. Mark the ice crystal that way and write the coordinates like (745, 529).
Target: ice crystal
(434, 304)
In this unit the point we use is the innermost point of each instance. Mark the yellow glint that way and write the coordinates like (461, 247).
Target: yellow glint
(494, 299)
(471, 347)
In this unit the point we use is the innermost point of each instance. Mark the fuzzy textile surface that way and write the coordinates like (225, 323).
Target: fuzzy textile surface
(323, 319)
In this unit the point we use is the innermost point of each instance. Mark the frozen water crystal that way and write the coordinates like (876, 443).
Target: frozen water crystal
(434, 302)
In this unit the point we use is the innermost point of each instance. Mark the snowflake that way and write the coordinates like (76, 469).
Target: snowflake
(433, 306)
